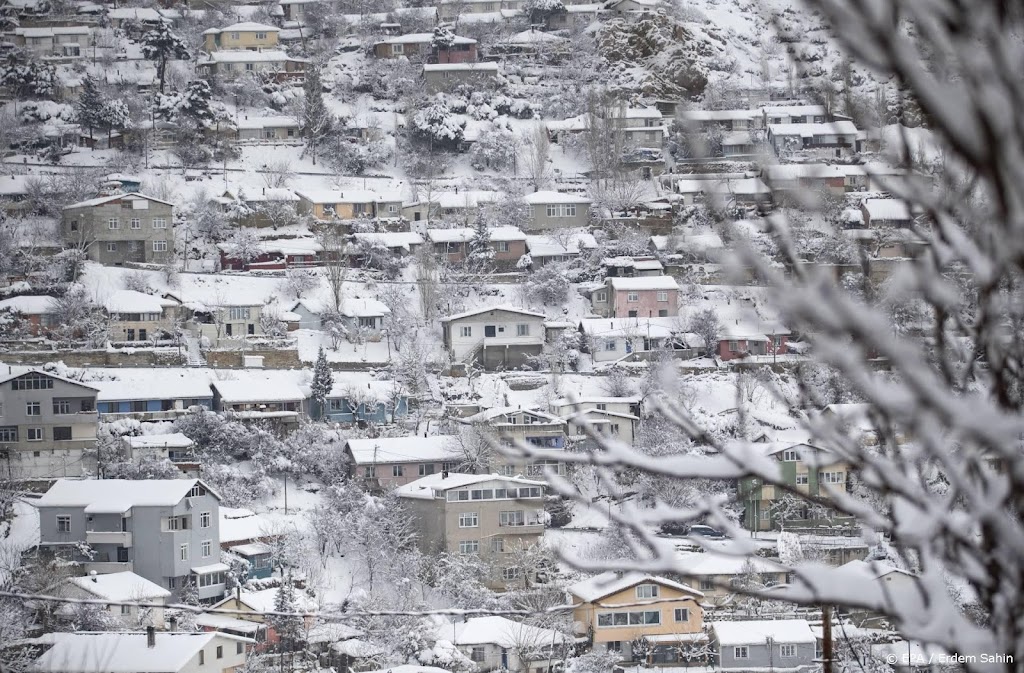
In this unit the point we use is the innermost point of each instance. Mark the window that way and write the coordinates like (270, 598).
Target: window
(469, 520)
(512, 518)
(398, 49)
(32, 382)
(9, 433)
(159, 223)
(62, 434)
(204, 519)
(610, 344)
(183, 552)
(113, 223)
(663, 296)
(371, 472)
(35, 434)
(522, 330)
(477, 653)
(249, 66)
(647, 591)
(510, 574)
(734, 346)
(801, 479)
(636, 618)
(196, 491)
(220, 651)
(614, 645)
(466, 331)
(426, 469)
(787, 651)
(740, 652)
(61, 407)
(205, 548)
(159, 246)
(63, 524)
(136, 223)
(662, 313)
(210, 579)
(831, 477)
(111, 246)
(501, 246)
(172, 583)
(601, 297)
(261, 36)
(234, 36)
(706, 584)
(498, 545)
(238, 313)
(632, 297)
(682, 614)
(469, 547)
(239, 648)
(397, 470)
(202, 654)
(33, 409)
(790, 455)
(126, 610)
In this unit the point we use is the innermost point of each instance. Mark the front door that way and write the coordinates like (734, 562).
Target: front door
(490, 331)
(252, 329)
(227, 329)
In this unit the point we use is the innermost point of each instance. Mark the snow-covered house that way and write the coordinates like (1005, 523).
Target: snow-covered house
(398, 243)
(514, 425)
(233, 64)
(255, 399)
(556, 210)
(548, 248)
(420, 46)
(137, 316)
(268, 129)
(376, 402)
(447, 76)
(133, 19)
(359, 314)
(34, 311)
(384, 463)
(714, 573)
(140, 652)
(893, 213)
(269, 206)
(174, 447)
(14, 191)
(458, 206)
(272, 254)
(331, 204)
(609, 339)
(834, 140)
(485, 514)
(162, 395)
(122, 587)
(632, 266)
(54, 41)
(635, 297)
(449, 10)
(750, 329)
(794, 114)
(618, 608)
(258, 555)
(498, 643)
(497, 337)
(575, 16)
(756, 645)
(165, 530)
(120, 228)
(721, 120)
(247, 35)
(453, 245)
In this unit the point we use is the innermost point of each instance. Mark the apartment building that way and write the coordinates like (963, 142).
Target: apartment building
(46, 424)
(121, 228)
(488, 515)
(165, 530)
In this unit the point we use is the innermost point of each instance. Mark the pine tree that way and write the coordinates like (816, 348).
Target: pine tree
(289, 626)
(114, 115)
(323, 382)
(317, 121)
(480, 254)
(90, 105)
(161, 45)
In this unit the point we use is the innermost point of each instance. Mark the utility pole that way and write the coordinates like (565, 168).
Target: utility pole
(826, 639)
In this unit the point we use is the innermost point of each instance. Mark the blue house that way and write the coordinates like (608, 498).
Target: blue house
(376, 402)
(157, 398)
(258, 556)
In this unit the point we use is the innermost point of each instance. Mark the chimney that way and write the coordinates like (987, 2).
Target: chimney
(92, 575)
(150, 637)
(444, 474)
(172, 624)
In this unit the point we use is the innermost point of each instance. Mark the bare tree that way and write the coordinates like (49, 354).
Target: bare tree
(335, 262)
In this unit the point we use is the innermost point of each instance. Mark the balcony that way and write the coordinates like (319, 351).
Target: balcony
(119, 538)
(107, 567)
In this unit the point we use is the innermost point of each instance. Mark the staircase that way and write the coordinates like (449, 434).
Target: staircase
(193, 354)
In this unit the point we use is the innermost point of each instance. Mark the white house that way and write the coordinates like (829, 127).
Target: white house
(122, 587)
(494, 643)
(498, 336)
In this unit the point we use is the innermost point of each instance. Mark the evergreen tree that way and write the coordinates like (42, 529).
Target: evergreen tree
(289, 626)
(443, 39)
(161, 45)
(90, 105)
(480, 254)
(114, 115)
(317, 121)
(323, 382)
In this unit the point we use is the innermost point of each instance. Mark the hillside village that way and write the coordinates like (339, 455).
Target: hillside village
(323, 321)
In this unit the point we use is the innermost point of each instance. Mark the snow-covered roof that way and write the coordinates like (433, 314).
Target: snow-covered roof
(114, 496)
(219, 622)
(708, 563)
(422, 38)
(551, 246)
(809, 130)
(267, 193)
(100, 200)
(643, 283)
(251, 549)
(14, 371)
(887, 209)
(481, 66)
(29, 305)
(533, 37)
(499, 631)
(172, 440)
(610, 328)
(635, 113)
(162, 386)
(346, 196)
(487, 309)
(795, 110)
(130, 301)
(245, 27)
(390, 239)
(469, 198)
(134, 14)
(252, 391)
(51, 31)
(123, 586)
(464, 234)
(279, 121)
(403, 449)
(428, 488)
(210, 568)
(612, 582)
(758, 632)
(85, 652)
(583, 401)
(718, 115)
(546, 196)
(691, 242)
(495, 413)
(246, 56)
(14, 185)
(264, 600)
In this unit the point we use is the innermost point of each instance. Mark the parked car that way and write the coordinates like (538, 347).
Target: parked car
(705, 531)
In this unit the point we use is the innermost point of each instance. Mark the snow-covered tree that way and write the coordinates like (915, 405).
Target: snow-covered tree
(548, 285)
(443, 38)
(540, 11)
(323, 383)
(705, 324)
(161, 44)
(297, 282)
(114, 116)
(317, 119)
(245, 245)
(496, 147)
(288, 626)
(437, 126)
(479, 253)
(90, 105)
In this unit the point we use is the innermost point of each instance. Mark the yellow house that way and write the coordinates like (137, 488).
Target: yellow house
(619, 610)
(249, 35)
(327, 205)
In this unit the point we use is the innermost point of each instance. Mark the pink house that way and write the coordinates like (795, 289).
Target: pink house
(745, 333)
(637, 297)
